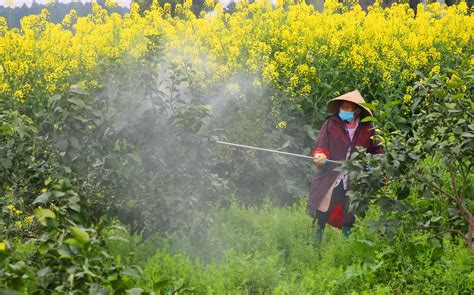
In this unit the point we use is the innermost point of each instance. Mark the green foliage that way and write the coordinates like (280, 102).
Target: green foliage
(272, 250)
(428, 168)
(64, 255)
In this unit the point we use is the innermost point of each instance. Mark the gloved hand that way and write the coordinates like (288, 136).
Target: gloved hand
(319, 159)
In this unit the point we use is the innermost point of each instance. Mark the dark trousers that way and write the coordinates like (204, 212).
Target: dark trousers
(338, 198)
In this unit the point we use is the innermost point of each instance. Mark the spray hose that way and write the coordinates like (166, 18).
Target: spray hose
(273, 151)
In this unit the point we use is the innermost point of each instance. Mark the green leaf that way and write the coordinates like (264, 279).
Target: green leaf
(71, 241)
(413, 156)
(456, 150)
(393, 103)
(435, 218)
(135, 157)
(451, 106)
(73, 204)
(119, 227)
(18, 267)
(285, 145)
(435, 243)
(80, 235)
(132, 203)
(403, 192)
(7, 129)
(110, 162)
(416, 102)
(6, 163)
(62, 144)
(74, 142)
(130, 272)
(428, 145)
(366, 242)
(53, 99)
(58, 194)
(64, 254)
(369, 106)
(467, 134)
(43, 248)
(43, 214)
(369, 119)
(76, 101)
(440, 93)
(79, 88)
(67, 169)
(134, 291)
(43, 272)
(115, 238)
(160, 284)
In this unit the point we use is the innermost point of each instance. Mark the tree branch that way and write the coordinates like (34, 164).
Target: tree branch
(444, 228)
(453, 179)
(461, 207)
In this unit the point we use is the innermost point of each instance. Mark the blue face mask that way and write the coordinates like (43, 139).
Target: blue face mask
(346, 116)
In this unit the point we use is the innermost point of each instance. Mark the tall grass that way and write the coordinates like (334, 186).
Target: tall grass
(273, 250)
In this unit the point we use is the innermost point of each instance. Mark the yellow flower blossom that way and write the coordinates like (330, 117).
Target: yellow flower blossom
(11, 208)
(29, 219)
(281, 124)
(111, 3)
(306, 90)
(19, 225)
(435, 70)
(289, 47)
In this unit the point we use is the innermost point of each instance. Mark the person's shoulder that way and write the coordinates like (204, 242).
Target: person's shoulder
(333, 118)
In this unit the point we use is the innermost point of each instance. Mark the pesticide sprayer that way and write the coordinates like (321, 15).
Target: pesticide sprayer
(273, 151)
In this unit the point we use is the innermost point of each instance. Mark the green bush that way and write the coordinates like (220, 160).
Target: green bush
(272, 250)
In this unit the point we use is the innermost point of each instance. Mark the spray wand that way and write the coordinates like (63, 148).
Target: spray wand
(273, 151)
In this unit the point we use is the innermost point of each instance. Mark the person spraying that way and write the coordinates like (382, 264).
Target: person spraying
(340, 134)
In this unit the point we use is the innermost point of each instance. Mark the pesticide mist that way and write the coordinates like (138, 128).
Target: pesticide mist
(172, 176)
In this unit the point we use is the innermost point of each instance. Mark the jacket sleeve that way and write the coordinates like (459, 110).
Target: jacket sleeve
(322, 142)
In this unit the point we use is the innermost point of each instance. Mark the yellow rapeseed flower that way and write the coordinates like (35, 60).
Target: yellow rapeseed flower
(281, 124)
(19, 225)
(11, 208)
(280, 46)
(29, 219)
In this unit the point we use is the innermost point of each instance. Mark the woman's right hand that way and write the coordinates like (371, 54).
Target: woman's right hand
(319, 159)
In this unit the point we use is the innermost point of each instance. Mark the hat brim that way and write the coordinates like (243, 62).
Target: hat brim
(333, 107)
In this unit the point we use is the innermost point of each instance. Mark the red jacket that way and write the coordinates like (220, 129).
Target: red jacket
(333, 141)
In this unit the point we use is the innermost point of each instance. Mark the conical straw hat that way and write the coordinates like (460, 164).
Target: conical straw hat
(354, 96)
